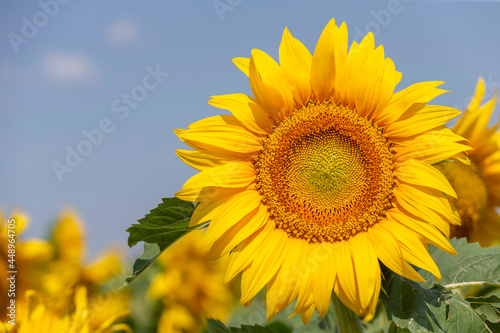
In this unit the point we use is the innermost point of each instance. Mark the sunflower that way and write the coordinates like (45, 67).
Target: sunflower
(28, 259)
(190, 286)
(67, 268)
(321, 174)
(50, 271)
(478, 183)
(40, 314)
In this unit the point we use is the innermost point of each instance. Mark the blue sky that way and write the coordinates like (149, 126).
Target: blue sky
(67, 67)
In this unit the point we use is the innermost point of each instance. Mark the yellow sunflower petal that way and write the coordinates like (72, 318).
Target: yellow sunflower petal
(478, 134)
(442, 132)
(391, 77)
(371, 94)
(233, 210)
(366, 267)
(305, 293)
(389, 252)
(103, 268)
(466, 122)
(244, 253)
(270, 85)
(491, 163)
(227, 175)
(68, 236)
(427, 118)
(226, 155)
(284, 287)
(328, 59)
(433, 210)
(347, 275)
(420, 173)
(246, 110)
(478, 95)
(431, 198)
(367, 92)
(235, 139)
(339, 289)
(243, 65)
(35, 250)
(425, 230)
(306, 314)
(324, 277)
(412, 248)
(430, 149)
(200, 160)
(220, 120)
(236, 234)
(295, 60)
(347, 89)
(401, 101)
(264, 266)
(474, 123)
(22, 220)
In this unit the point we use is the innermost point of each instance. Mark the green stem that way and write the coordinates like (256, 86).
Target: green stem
(469, 284)
(347, 321)
(393, 328)
(329, 320)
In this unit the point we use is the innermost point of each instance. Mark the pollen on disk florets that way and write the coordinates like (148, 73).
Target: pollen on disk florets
(325, 173)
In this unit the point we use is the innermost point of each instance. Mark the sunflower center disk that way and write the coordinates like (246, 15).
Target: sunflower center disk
(325, 173)
(472, 195)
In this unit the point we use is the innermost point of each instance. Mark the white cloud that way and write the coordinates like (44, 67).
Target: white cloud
(68, 67)
(123, 32)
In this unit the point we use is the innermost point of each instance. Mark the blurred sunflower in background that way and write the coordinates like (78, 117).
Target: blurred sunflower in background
(31, 257)
(478, 183)
(41, 317)
(55, 290)
(322, 174)
(67, 268)
(190, 287)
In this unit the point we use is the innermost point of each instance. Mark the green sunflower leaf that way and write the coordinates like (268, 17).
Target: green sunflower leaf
(279, 327)
(434, 306)
(215, 326)
(488, 307)
(158, 230)
(473, 265)
(411, 306)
